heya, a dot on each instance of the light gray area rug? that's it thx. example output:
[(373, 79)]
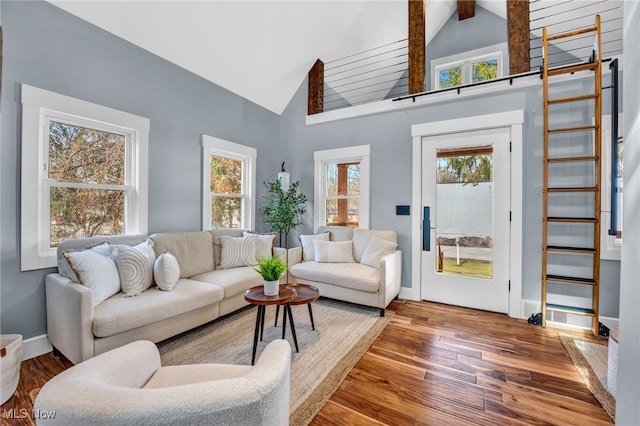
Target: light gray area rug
[(343, 334)]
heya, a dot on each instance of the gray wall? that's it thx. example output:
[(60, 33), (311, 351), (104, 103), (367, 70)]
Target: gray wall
[(389, 135), (462, 36), (51, 49), (628, 393)]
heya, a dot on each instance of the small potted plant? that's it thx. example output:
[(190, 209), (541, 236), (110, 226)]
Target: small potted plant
[(271, 269)]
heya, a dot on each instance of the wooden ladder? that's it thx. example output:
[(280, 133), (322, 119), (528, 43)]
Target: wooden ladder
[(590, 157)]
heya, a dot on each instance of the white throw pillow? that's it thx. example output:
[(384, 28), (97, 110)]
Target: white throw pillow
[(166, 271), (376, 249), (95, 269), (135, 266), (307, 245), (333, 251), (264, 244), (237, 252)]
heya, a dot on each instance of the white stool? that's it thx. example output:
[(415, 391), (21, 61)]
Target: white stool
[(612, 362)]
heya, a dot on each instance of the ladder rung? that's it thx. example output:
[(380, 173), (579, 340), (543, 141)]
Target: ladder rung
[(573, 129), (570, 309), (570, 280), (572, 189), (572, 33), (572, 98), (570, 159), (572, 219), (577, 250), (571, 69)]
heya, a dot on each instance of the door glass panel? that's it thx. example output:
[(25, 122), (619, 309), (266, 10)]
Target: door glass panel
[(464, 221)]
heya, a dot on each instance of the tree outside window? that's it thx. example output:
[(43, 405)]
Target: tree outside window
[(226, 192)]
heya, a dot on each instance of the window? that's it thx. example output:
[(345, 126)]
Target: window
[(229, 175), (84, 173), (469, 67), (342, 187)]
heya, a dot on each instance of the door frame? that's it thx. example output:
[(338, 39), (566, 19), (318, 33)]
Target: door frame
[(511, 119)]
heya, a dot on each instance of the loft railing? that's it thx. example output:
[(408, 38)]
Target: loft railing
[(372, 75)]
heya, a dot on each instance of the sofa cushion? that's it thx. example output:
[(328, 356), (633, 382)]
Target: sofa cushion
[(361, 238), (237, 251), (95, 268), (194, 250), (233, 281), (135, 266), (120, 313), (217, 248), (333, 251), (348, 275), (180, 375), (307, 245), (376, 250), (337, 233), (166, 271)]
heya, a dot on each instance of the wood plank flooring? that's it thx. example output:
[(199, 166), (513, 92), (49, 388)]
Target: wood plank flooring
[(432, 365)]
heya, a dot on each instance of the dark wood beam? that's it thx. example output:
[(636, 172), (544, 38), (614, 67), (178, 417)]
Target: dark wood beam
[(316, 88), (518, 34), (417, 40), (467, 9)]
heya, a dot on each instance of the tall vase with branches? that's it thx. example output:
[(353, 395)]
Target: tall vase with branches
[(283, 210)]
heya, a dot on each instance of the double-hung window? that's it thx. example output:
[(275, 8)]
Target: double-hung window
[(84, 173), (342, 187), (469, 67), (229, 175)]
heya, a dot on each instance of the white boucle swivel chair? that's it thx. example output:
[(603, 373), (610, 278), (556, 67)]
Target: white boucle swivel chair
[(127, 386)]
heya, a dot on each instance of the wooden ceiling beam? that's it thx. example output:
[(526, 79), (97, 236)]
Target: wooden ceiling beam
[(315, 96), (417, 45), (467, 9), (518, 35)]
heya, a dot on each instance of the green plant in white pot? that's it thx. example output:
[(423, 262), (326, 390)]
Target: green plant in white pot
[(271, 269)]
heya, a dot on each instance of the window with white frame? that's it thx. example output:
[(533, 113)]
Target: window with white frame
[(229, 176), (342, 187), (469, 67), (84, 173)]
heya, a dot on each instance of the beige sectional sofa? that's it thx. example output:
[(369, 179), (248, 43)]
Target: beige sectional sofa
[(80, 329), (359, 266)]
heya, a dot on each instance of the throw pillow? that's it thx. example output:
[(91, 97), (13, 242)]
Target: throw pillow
[(307, 245), (333, 251), (376, 249), (264, 244), (135, 266), (237, 251), (96, 271), (166, 271)]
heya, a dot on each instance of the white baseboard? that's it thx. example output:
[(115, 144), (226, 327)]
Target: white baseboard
[(35, 346), (407, 294)]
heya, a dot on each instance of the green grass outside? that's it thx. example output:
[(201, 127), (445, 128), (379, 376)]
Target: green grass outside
[(468, 267)]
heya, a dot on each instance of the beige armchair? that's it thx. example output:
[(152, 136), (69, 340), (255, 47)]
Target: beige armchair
[(127, 386)]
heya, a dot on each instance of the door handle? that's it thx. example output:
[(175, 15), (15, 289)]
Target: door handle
[(426, 230)]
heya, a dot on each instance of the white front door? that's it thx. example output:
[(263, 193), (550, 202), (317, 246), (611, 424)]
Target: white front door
[(466, 219)]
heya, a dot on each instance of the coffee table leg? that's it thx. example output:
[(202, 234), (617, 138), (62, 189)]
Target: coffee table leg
[(313, 327), (284, 320), (277, 313), (264, 308), (293, 327), (255, 335)]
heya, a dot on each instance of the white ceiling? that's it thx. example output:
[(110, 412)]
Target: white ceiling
[(263, 49)]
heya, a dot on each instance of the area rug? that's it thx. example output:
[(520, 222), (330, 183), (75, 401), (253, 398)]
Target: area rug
[(343, 334), (589, 355)]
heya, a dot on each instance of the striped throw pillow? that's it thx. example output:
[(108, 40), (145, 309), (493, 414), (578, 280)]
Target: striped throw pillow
[(237, 251), (135, 266)]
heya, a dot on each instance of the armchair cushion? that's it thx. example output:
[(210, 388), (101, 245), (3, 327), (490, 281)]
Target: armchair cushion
[(349, 275)]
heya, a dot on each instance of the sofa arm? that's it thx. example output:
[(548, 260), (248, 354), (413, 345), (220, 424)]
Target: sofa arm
[(295, 256), (390, 277), (69, 317)]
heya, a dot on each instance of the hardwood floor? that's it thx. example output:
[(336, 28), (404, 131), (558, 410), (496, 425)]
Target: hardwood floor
[(432, 365)]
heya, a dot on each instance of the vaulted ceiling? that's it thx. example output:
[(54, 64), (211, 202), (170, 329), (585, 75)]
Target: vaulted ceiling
[(260, 50)]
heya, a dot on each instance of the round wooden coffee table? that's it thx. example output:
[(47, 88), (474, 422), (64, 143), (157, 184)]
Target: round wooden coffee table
[(256, 296), (305, 294)]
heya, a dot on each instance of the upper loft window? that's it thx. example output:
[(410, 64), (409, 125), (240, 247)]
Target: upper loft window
[(469, 67), (229, 184), (84, 173)]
